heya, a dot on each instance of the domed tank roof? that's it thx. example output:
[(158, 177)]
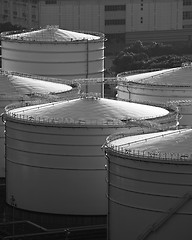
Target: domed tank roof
[(180, 76), (92, 110), (170, 145), (51, 34), (23, 85)]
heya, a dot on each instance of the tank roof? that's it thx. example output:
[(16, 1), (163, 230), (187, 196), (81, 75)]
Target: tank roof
[(23, 85), (51, 34), (169, 145), (180, 76), (92, 110)]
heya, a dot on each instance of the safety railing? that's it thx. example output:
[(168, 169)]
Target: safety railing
[(74, 81), (57, 121), (132, 72), (154, 122), (162, 124), (71, 94), (181, 102), (124, 149), (32, 119)]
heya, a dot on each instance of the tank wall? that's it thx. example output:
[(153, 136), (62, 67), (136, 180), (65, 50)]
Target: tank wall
[(51, 47), (63, 60), (65, 55), (75, 69), (138, 221), (4, 101), (66, 163), (140, 193), (2, 151), (153, 94), (67, 59), (57, 191)]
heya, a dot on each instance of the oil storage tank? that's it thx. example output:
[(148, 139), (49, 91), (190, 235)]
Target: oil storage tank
[(54, 151), (149, 185), (157, 87), (15, 88), (54, 52)]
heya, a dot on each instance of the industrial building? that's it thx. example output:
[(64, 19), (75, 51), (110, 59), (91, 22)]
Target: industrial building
[(149, 186), (168, 86), (123, 20)]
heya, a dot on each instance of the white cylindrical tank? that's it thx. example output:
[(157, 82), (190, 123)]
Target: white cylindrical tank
[(55, 52), (157, 87), (149, 186), (15, 88), (53, 151)]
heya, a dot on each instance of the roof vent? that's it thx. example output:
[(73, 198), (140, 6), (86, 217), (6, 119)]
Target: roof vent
[(90, 95), (52, 27)]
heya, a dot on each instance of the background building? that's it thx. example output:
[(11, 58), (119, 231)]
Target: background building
[(161, 20)]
